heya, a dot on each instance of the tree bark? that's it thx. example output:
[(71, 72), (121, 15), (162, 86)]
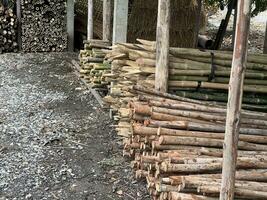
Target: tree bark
[(235, 101)]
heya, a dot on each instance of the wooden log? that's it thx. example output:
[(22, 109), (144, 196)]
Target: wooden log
[(219, 153), (18, 12), (258, 175), (208, 85), (107, 20), (239, 193), (235, 101), (265, 41), (166, 103), (207, 166), (163, 34), (120, 21), (70, 24), (194, 126), (90, 20), (207, 142), (184, 196), (165, 95), (195, 181)]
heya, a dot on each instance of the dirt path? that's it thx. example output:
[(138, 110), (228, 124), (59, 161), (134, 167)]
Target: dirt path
[(55, 141)]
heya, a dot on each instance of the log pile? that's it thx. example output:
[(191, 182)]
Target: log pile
[(92, 64), (176, 145), (175, 140), (8, 30), (44, 25)]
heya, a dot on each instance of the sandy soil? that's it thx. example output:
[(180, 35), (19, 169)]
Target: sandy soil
[(55, 141)]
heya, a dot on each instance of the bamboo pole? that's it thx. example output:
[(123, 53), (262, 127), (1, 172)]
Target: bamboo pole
[(265, 41), (120, 21), (235, 101), (90, 22), (163, 39), (107, 20), (70, 24), (18, 11), (234, 23)]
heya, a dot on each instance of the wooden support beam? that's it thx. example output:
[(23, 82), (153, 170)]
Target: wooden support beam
[(120, 21), (234, 24), (70, 24), (163, 44), (235, 100), (90, 20), (265, 41), (107, 20), (18, 13)]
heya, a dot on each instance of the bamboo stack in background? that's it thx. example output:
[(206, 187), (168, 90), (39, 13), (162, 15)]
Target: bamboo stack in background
[(44, 26), (8, 30), (92, 64), (175, 140), (191, 74)]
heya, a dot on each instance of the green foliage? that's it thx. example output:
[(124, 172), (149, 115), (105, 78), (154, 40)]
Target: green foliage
[(258, 5)]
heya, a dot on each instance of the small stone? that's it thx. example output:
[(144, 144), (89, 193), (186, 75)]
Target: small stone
[(28, 196), (119, 192), (78, 89), (73, 187)]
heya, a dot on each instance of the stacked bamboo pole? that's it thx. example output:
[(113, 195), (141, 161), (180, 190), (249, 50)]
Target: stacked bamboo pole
[(176, 142), (8, 33), (92, 64), (190, 73)]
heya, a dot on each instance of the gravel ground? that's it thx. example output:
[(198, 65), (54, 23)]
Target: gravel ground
[(55, 141)]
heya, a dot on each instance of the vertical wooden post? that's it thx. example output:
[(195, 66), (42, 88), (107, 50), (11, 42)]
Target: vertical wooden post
[(90, 20), (163, 44), (235, 100), (18, 13), (120, 23), (70, 24), (265, 41), (107, 20), (234, 24)]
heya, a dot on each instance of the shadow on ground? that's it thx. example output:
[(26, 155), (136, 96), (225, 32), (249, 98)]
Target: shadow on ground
[(55, 141)]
